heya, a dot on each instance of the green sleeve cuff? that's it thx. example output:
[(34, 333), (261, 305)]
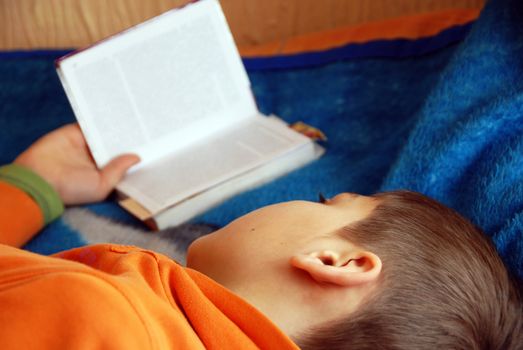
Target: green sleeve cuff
[(40, 190)]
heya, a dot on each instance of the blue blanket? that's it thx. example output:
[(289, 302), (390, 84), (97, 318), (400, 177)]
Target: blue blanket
[(466, 149), (443, 120)]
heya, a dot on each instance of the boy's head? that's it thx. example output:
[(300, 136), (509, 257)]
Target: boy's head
[(395, 270)]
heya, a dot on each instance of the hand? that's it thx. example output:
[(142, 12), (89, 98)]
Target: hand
[(63, 160)]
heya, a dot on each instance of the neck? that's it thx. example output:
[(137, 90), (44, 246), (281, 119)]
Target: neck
[(290, 318), (298, 307)]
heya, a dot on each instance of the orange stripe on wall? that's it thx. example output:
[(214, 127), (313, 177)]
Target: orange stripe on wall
[(408, 27)]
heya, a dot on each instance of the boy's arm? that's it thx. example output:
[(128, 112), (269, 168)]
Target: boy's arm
[(56, 169), (27, 203)]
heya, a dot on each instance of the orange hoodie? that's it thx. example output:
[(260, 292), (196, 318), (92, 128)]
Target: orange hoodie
[(112, 296)]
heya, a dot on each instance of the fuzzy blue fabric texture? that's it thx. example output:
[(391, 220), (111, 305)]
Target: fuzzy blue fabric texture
[(466, 149)]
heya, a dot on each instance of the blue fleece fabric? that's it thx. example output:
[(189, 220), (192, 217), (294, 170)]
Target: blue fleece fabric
[(466, 149)]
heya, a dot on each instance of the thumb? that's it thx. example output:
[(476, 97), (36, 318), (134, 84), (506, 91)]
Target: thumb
[(115, 170)]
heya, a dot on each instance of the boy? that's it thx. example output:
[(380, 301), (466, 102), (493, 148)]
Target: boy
[(393, 271)]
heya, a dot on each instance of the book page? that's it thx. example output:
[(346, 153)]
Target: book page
[(192, 170), (158, 87)]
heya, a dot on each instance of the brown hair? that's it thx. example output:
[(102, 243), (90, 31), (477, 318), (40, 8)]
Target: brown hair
[(443, 285)]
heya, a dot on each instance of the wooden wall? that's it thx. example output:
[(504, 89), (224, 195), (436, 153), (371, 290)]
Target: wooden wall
[(76, 23)]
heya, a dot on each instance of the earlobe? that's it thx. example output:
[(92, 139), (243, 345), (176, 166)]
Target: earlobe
[(350, 269)]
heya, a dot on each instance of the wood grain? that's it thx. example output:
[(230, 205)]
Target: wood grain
[(33, 24)]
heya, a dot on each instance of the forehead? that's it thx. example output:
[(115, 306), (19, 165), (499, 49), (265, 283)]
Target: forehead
[(333, 215)]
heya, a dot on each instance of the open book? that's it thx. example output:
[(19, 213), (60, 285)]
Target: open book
[(174, 91)]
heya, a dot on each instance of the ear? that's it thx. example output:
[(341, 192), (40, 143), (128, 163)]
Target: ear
[(350, 269)]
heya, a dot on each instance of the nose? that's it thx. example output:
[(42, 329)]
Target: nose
[(343, 197)]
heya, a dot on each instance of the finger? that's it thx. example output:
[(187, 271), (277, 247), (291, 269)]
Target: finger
[(75, 135), (115, 170)]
